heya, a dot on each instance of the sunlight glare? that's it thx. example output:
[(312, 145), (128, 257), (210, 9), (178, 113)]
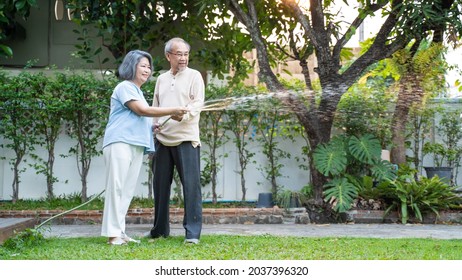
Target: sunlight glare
[(304, 4)]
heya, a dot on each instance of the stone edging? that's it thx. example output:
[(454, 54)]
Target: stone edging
[(376, 216), (273, 215)]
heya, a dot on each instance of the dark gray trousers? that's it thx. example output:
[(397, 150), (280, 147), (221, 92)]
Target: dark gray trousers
[(186, 159)]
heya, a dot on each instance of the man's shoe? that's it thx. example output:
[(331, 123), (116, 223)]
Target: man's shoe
[(148, 234), (191, 241)]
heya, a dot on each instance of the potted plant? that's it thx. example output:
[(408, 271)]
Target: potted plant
[(291, 199), (446, 152), (440, 154)]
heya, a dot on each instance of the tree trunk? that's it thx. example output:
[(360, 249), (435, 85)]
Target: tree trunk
[(410, 93), (85, 169), (243, 164), (214, 166), (16, 181), (49, 173), (318, 180), (306, 74)]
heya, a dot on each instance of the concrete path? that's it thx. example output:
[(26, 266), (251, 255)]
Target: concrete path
[(310, 230), (9, 227)]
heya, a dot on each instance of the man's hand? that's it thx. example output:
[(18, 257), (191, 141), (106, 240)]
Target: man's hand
[(177, 118), (156, 128)]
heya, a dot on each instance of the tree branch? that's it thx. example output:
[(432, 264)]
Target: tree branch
[(354, 26)]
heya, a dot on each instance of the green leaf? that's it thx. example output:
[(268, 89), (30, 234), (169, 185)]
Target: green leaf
[(19, 4), (6, 51), (330, 159), (383, 170), (404, 213), (341, 193), (366, 148)]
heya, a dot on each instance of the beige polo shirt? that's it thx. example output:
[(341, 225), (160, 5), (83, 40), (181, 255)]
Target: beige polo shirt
[(186, 88)]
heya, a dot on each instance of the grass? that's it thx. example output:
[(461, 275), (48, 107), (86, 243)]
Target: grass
[(32, 246), (226, 247)]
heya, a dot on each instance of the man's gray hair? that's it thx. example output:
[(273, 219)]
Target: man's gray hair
[(127, 70), (169, 44)]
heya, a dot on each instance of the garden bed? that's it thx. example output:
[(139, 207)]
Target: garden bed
[(273, 215)]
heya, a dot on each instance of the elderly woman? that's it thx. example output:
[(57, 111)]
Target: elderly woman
[(127, 138)]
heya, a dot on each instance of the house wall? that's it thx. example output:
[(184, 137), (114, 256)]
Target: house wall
[(48, 40), (36, 34)]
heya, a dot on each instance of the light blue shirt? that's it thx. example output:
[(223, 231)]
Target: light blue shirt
[(124, 125)]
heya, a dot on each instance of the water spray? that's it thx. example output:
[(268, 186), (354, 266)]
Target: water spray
[(245, 103)]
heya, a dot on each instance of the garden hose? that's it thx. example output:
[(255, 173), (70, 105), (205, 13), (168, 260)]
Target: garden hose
[(65, 212)]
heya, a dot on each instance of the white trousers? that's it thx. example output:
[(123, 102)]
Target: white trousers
[(123, 164)]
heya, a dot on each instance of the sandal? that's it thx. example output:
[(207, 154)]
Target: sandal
[(117, 241), (129, 239)]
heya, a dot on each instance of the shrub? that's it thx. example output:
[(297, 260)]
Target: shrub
[(410, 196)]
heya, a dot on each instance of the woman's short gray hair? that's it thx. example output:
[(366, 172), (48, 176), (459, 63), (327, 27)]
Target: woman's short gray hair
[(169, 44), (127, 70)]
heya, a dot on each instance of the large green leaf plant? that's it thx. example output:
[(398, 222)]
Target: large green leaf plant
[(346, 159)]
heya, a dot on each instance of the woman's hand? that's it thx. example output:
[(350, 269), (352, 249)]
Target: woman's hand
[(178, 116), (181, 111)]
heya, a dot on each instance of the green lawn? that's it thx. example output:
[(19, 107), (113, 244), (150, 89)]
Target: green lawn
[(225, 247), (32, 246)]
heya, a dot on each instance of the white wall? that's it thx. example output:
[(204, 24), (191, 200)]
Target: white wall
[(33, 185), (228, 180)]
